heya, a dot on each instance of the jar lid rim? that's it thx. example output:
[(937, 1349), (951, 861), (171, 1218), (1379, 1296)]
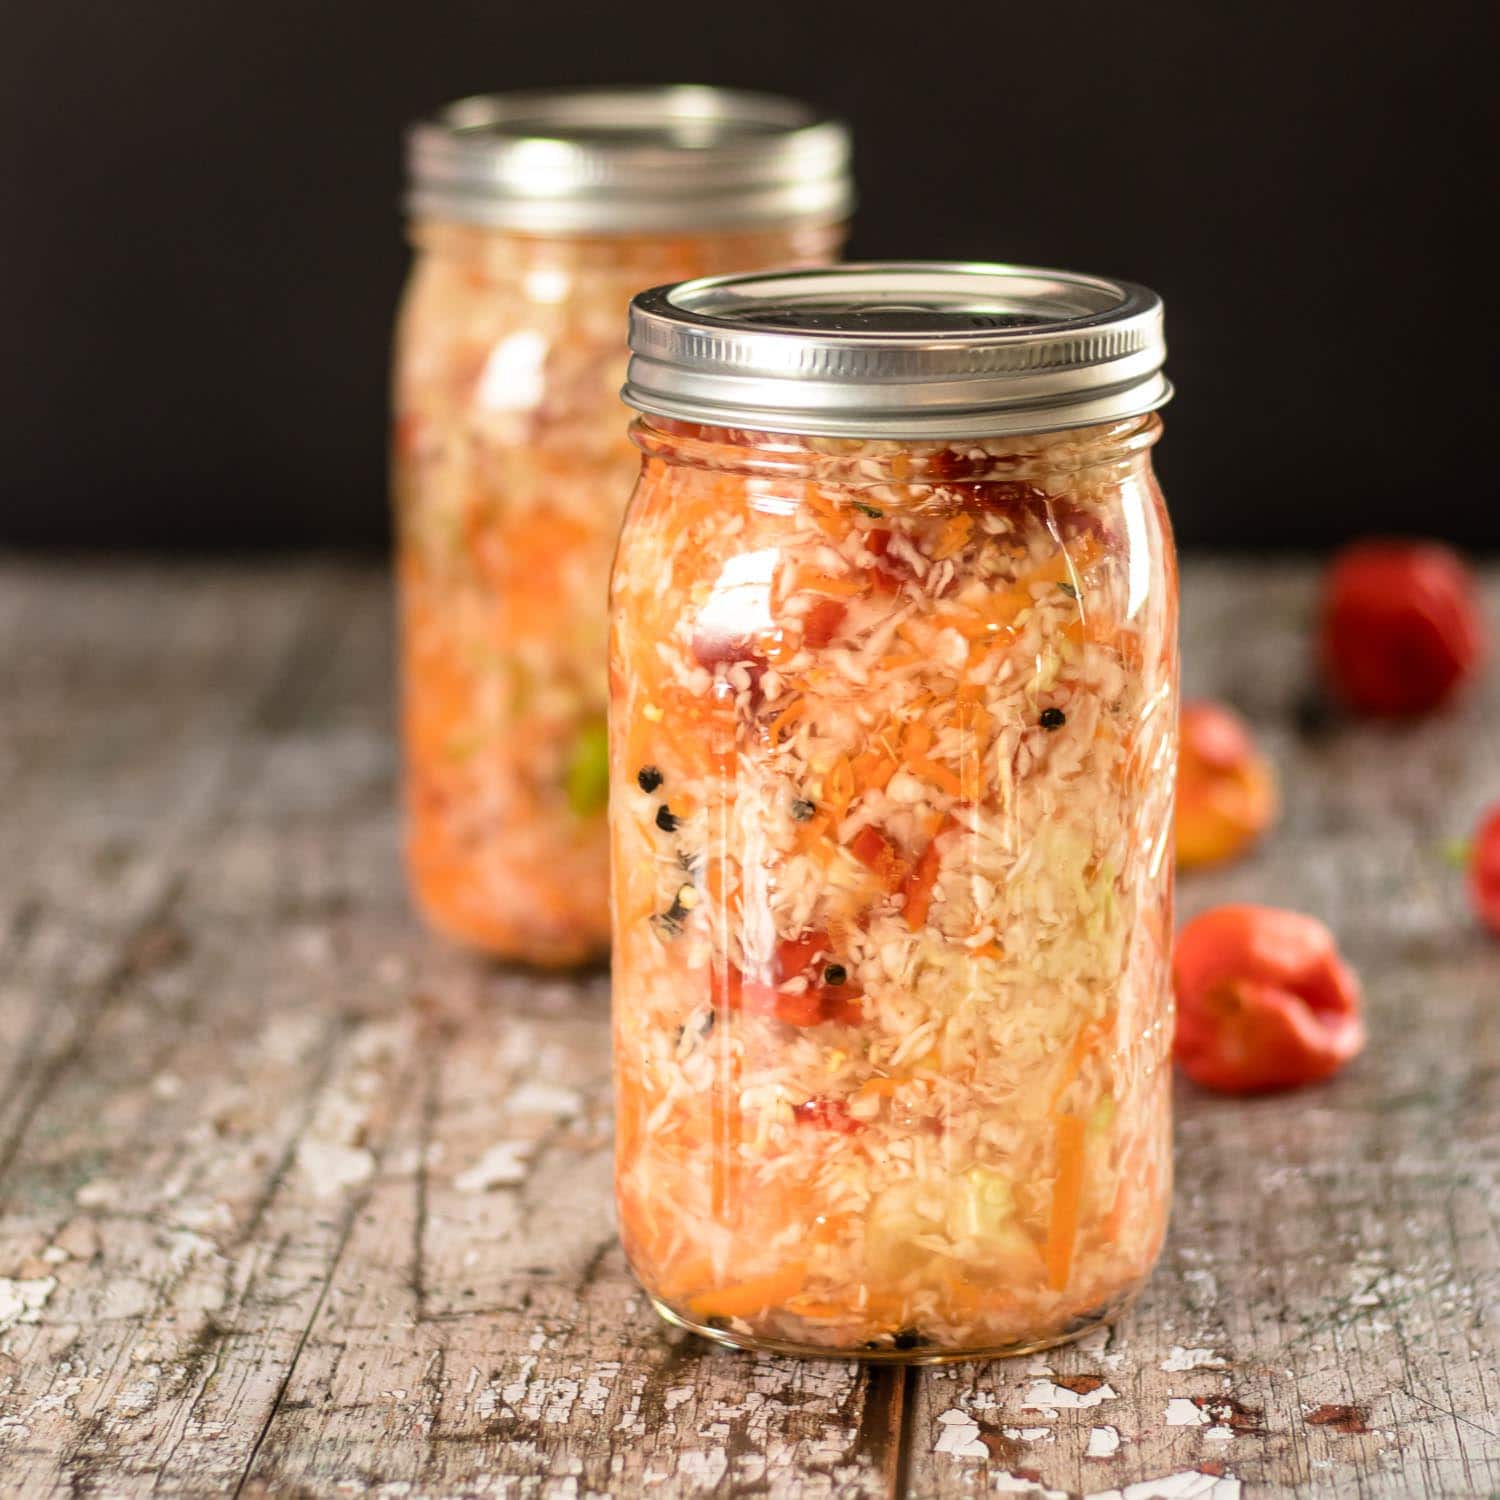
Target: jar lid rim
[(628, 160), (922, 348)]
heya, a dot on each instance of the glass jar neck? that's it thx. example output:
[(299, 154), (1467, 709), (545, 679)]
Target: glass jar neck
[(920, 463)]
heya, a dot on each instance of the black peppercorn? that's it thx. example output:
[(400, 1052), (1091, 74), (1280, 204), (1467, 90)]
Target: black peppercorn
[(648, 778), (666, 819), (908, 1338), (835, 974), (802, 810), (1053, 718)]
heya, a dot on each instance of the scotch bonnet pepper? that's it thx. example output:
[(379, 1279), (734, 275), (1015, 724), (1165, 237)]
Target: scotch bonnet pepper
[(1264, 1001), (1401, 628)]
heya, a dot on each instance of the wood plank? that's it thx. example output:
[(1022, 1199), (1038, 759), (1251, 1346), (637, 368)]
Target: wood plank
[(172, 1098)]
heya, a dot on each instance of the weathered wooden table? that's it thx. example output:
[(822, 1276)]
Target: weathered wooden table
[(295, 1201)]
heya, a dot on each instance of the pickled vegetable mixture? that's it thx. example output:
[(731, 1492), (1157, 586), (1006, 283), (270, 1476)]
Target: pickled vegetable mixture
[(892, 745), (511, 472)]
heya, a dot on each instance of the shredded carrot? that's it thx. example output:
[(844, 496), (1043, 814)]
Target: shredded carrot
[(880, 1088), (872, 770), (919, 884), (988, 950), (1062, 1226), (747, 1298), (838, 787), (807, 1309), (787, 717), (953, 536), (918, 742), (824, 583), (810, 832), (830, 518), (939, 774), (1084, 1042)]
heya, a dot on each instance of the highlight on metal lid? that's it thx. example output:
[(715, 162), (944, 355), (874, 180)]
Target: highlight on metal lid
[(628, 160), (920, 349)]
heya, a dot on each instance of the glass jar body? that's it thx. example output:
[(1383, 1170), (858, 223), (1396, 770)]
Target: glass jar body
[(511, 468), (893, 736)]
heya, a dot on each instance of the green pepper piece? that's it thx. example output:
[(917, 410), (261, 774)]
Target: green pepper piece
[(587, 777)]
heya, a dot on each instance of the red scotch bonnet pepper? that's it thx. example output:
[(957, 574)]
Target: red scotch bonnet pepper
[(1484, 870), (1264, 1002), (1226, 794), (1401, 628)]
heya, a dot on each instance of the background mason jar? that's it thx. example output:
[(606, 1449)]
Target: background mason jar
[(535, 219)]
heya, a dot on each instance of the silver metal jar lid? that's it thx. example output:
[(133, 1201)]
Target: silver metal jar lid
[(926, 349), (629, 160)]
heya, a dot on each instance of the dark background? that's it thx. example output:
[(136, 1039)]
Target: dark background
[(201, 249)]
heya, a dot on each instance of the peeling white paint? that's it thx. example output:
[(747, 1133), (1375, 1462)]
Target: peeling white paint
[(22, 1301), (1104, 1442), (708, 1468), (1184, 1413), (1188, 1484), (959, 1435), (1006, 1483), (503, 1165), (101, 1193), (1179, 1359), (166, 1086), (1049, 1398), (533, 1098), (329, 1168), (595, 1393)]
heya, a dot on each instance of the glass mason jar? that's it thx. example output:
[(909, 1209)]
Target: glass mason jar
[(535, 218), (893, 740)]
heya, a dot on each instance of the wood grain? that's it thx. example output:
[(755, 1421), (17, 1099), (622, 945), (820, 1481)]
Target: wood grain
[(294, 1201)]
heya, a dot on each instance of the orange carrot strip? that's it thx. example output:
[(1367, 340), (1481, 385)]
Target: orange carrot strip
[(1084, 1042), (872, 769), (789, 715), (955, 532), (746, 1298), (931, 770), (824, 583), (918, 885), (1062, 1226), (838, 787), (829, 518)]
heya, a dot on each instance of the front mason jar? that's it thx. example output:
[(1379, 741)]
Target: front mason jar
[(535, 218), (893, 717)]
